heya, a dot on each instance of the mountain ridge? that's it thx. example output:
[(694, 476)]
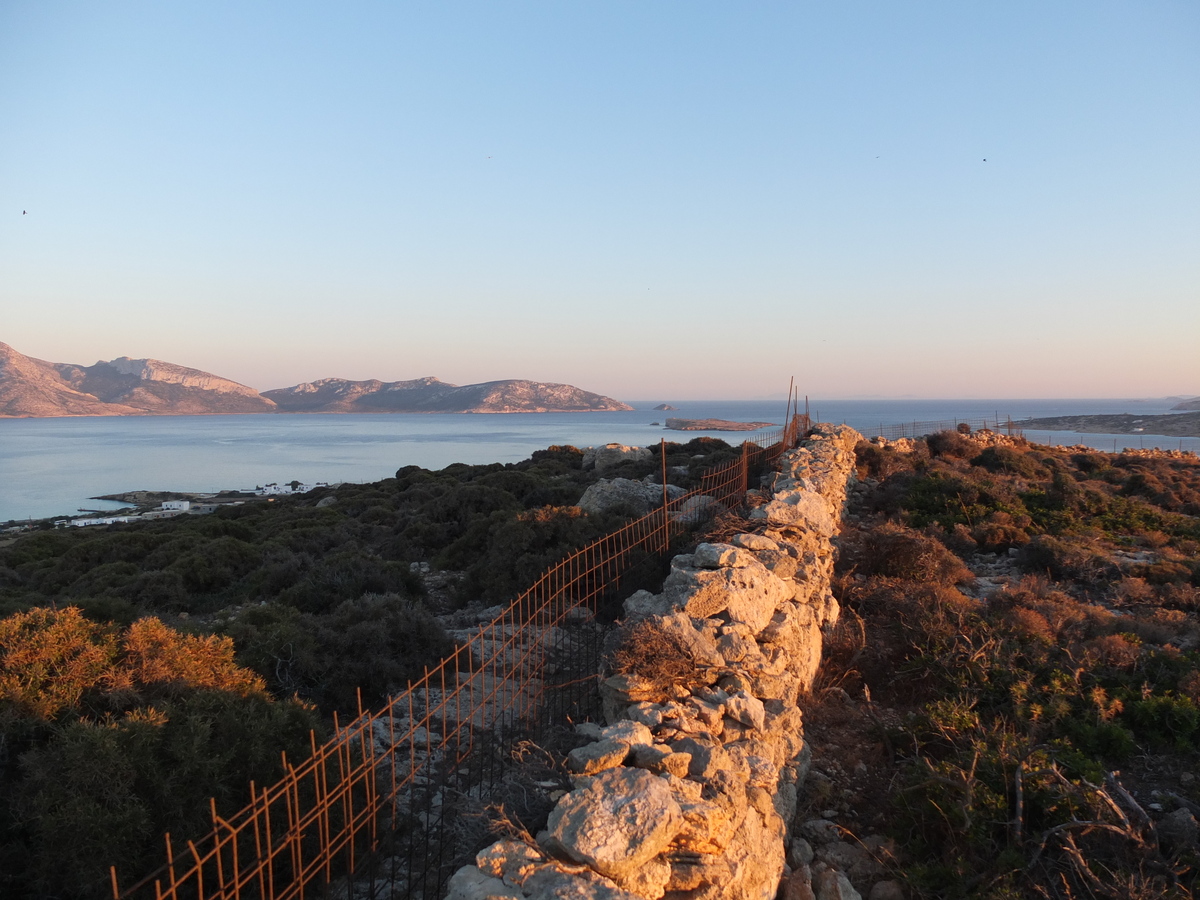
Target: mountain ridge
[(36, 388)]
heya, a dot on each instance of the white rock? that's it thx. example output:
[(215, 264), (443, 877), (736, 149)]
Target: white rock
[(601, 458), (831, 884), (631, 733), (468, 883), (746, 709), (619, 821), (718, 556), (643, 605), (754, 542)]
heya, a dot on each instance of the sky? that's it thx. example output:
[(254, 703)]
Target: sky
[(684, 199)]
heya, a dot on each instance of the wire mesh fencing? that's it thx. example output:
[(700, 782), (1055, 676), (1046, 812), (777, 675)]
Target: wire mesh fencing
[(387, 806)]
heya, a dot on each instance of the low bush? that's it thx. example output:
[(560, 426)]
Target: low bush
[(113, 736), (952, 445), (896, 551)]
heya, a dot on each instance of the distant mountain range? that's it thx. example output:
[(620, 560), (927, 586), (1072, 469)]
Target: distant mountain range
[(149, 387)]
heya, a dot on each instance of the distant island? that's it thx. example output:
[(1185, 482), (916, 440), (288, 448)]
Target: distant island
[(1193, 403), (1172, 424), (714, 425), (150, 387), (666, 406)]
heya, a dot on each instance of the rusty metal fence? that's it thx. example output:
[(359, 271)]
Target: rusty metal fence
[(383, 808), (920, 429)]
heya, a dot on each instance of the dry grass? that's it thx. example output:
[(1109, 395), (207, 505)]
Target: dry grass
[(659, 659)]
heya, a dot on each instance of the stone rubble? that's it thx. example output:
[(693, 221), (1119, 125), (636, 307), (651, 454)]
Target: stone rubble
[(692, 795)]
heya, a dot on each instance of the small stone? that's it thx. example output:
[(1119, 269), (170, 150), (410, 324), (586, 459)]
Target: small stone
[(797, 886), (468, 883), (593, 758), (830, 884), (632, 733), (1179, 830), (760, 799), (749, 541), (886, 890), (648, 714), (800, 853), (589, 730), (820, 831), (747, 709), (643, 605)]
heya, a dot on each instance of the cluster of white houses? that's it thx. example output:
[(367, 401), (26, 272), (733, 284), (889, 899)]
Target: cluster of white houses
[(170, 508)]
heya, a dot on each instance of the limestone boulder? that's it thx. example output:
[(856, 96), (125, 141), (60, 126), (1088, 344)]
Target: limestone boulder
[(749, 594), (747, 709), (601, 458), (617, 822), (697, 509), (751, 541), (756, 858), (635, 496), (597, 757), (699, 643), (718, 556), (643, 605), (799, 508)]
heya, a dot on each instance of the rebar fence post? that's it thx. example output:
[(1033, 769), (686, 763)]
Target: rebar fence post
[(666, 541)]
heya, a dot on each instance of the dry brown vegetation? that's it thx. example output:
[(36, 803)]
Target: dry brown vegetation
[(1033, 734)]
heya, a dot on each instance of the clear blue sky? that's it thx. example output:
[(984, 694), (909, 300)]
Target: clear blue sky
[(667, 198)]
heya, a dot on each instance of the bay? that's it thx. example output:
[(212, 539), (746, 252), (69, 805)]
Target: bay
[(50, 467)]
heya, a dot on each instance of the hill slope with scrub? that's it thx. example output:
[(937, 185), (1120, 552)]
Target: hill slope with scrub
[(1013, 693), (146, 667)]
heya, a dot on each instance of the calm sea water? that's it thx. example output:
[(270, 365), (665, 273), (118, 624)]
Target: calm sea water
[(50, 467)]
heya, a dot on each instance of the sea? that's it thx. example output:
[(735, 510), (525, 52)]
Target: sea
[(55, 467)]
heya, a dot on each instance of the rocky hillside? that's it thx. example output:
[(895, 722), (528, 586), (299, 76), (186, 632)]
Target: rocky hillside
[(122, 387), (141, 387), (335, 395)]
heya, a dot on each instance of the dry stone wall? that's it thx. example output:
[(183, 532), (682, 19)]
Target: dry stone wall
[(693, 796)]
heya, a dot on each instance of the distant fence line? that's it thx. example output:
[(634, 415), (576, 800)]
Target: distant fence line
[(374, 811), (920, 429)]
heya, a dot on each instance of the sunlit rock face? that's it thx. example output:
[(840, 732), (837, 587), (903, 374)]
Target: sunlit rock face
[(122, 387), (431, 396)]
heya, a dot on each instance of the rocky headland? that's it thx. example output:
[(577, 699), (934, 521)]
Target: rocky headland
[(334, 395), (1173, 424), (36, 388)]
